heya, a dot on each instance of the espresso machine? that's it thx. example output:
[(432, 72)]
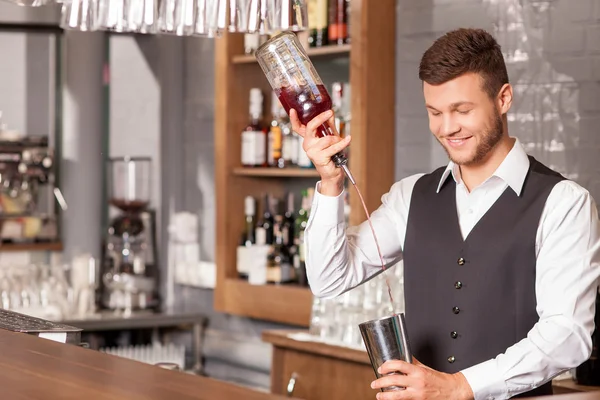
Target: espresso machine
[(27, 189), (129, 260)]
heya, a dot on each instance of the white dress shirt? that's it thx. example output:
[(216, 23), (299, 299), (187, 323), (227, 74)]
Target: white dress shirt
[(567, 268)]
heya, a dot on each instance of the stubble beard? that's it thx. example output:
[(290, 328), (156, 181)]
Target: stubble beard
[(490, 139)]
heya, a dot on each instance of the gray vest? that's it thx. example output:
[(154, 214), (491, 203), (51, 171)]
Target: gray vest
[(469, 300)]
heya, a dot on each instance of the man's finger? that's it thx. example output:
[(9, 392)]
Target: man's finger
[(321, 143), (337, 147), (391, 380), (396, 366), (296, 125), (400, 394), (319, 120)]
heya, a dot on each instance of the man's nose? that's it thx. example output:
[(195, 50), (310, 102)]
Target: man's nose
[(449, 126)]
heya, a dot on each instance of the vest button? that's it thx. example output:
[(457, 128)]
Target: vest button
[(453, 334), (458, 284), (451, 359), (455, 310), (461, 261)]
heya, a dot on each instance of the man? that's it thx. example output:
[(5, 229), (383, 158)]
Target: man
[(500, 253)]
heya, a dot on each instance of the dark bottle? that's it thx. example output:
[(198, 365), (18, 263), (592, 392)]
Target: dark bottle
[(279, 264), (588, 373), (338, 22), (289, 221), (267, 219), (319, 33), (250, 223), (348, 41)]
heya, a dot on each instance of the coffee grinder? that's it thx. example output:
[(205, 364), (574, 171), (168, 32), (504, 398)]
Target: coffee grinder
[(130, 270)]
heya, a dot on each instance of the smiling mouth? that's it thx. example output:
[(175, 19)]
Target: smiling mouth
[(454, 141)]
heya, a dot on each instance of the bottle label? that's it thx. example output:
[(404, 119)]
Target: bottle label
[(248, 147), (322, 14), (260, 148), (287, 148), (313, 13), (338, 31), (303, 160), (295, 143)]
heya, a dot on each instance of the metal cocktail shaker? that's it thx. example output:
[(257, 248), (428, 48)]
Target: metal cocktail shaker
[(386, 339)]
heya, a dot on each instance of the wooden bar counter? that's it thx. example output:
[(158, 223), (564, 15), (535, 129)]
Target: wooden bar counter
[(33, 368), (327, 372)]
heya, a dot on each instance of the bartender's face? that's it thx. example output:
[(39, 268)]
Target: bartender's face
[(463, 118)]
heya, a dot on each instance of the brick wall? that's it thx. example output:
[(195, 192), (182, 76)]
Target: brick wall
[(552, 49)]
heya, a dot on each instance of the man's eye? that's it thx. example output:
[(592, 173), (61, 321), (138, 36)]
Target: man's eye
[(464, 112), (435, 113)]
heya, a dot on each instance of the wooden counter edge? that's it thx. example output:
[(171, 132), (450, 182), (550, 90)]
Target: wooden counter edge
[(49, 366), (280, 338)]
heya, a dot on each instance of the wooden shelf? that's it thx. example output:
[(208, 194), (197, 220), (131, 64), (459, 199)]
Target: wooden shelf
[(277, 172), (312, 52), (371, 74), (286, 304), (50, 246)]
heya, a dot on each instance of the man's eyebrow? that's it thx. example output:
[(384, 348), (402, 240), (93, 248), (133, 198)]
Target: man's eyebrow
[(461, 103)]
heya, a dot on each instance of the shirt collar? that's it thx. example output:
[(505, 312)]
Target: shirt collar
[(512, 170)]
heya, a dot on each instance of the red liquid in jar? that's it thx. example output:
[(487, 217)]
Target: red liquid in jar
[(308, 101)]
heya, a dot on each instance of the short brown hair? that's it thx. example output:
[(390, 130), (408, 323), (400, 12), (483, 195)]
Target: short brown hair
[(462, 51)]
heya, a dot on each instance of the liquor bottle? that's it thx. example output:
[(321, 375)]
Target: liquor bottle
[(251, 42), (300, 223), (267, 220), (338, 22), (250, 223), (289, 147), (348, 19), (274, 147), (311, 8), (289, 221), (321, 29), (302, 217), (279, 266), (303, 160), (300, 261), (347, 108), (254, 135), (338, 107), (588, 373)]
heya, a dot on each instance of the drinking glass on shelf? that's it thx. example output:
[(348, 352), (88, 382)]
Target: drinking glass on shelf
[(142, 16), (112, 15), (286, 15), (210, 18), (81, 15), (177, 17), (244, 15)]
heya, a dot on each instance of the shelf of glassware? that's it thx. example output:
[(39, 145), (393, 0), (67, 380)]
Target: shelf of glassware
[(286, 304), (325, 51), (40, 246)]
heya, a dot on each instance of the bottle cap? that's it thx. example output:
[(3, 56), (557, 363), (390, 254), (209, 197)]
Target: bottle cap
[(249, 205)]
